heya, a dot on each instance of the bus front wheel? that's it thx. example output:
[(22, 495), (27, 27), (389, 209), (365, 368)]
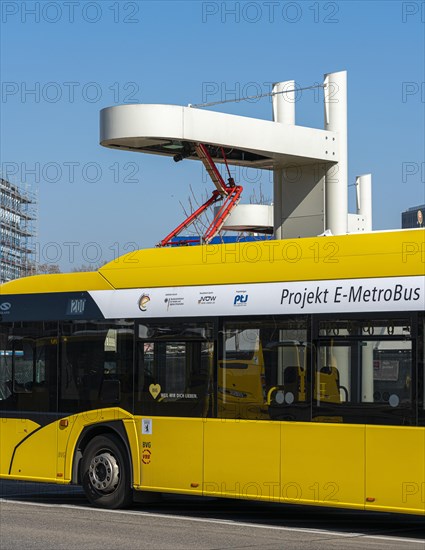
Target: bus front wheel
[(105, 473)]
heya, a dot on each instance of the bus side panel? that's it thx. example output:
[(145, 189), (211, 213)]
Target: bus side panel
[(242, 459), (36, 457), (12, 432), (395, 475), (171, 454), (323, 464)]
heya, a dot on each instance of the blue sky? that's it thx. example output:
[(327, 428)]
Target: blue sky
[(61, 62)]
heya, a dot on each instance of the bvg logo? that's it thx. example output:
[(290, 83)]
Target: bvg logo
[(240, 300), (5, 306)]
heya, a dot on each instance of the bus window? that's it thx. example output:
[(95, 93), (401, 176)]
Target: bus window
[(96, 369), (23, 365), (364, 372), (6, 352), (241, 376), (174, 373), (28, 367), (263, 371)]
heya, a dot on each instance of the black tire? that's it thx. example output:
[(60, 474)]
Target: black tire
[(105, 473)]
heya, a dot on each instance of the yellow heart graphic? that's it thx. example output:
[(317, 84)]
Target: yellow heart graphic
[(154, 390)]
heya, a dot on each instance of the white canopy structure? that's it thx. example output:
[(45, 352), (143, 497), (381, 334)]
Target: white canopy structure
[(309, 164)]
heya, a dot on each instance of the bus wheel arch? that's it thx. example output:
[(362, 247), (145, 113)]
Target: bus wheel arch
[(102, 465)]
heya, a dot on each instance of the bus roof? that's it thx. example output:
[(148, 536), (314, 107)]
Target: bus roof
[(380, 254), (58, 282)]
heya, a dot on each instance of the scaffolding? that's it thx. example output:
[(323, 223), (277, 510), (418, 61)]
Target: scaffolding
[(18, 214)]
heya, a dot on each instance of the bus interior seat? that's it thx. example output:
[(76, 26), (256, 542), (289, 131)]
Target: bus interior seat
[(328, 386)]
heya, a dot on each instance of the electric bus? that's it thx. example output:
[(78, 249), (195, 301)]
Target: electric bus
[(283, 371)]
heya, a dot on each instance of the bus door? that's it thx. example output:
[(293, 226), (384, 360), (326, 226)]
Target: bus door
[(173, 394), (261, 379), (365, 381)]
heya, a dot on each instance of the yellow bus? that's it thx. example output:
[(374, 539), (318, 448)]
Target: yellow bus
[(286, 371)]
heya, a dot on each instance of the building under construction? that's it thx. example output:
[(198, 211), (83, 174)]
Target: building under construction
[(17, 231)]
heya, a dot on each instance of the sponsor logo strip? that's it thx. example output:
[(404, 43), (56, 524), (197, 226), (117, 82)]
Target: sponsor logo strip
[(360, 295)]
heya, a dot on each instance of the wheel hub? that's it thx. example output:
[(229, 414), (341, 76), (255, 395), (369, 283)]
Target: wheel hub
[(104, 472)]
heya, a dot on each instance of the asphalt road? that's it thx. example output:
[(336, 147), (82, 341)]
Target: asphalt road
[(37, 516)]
